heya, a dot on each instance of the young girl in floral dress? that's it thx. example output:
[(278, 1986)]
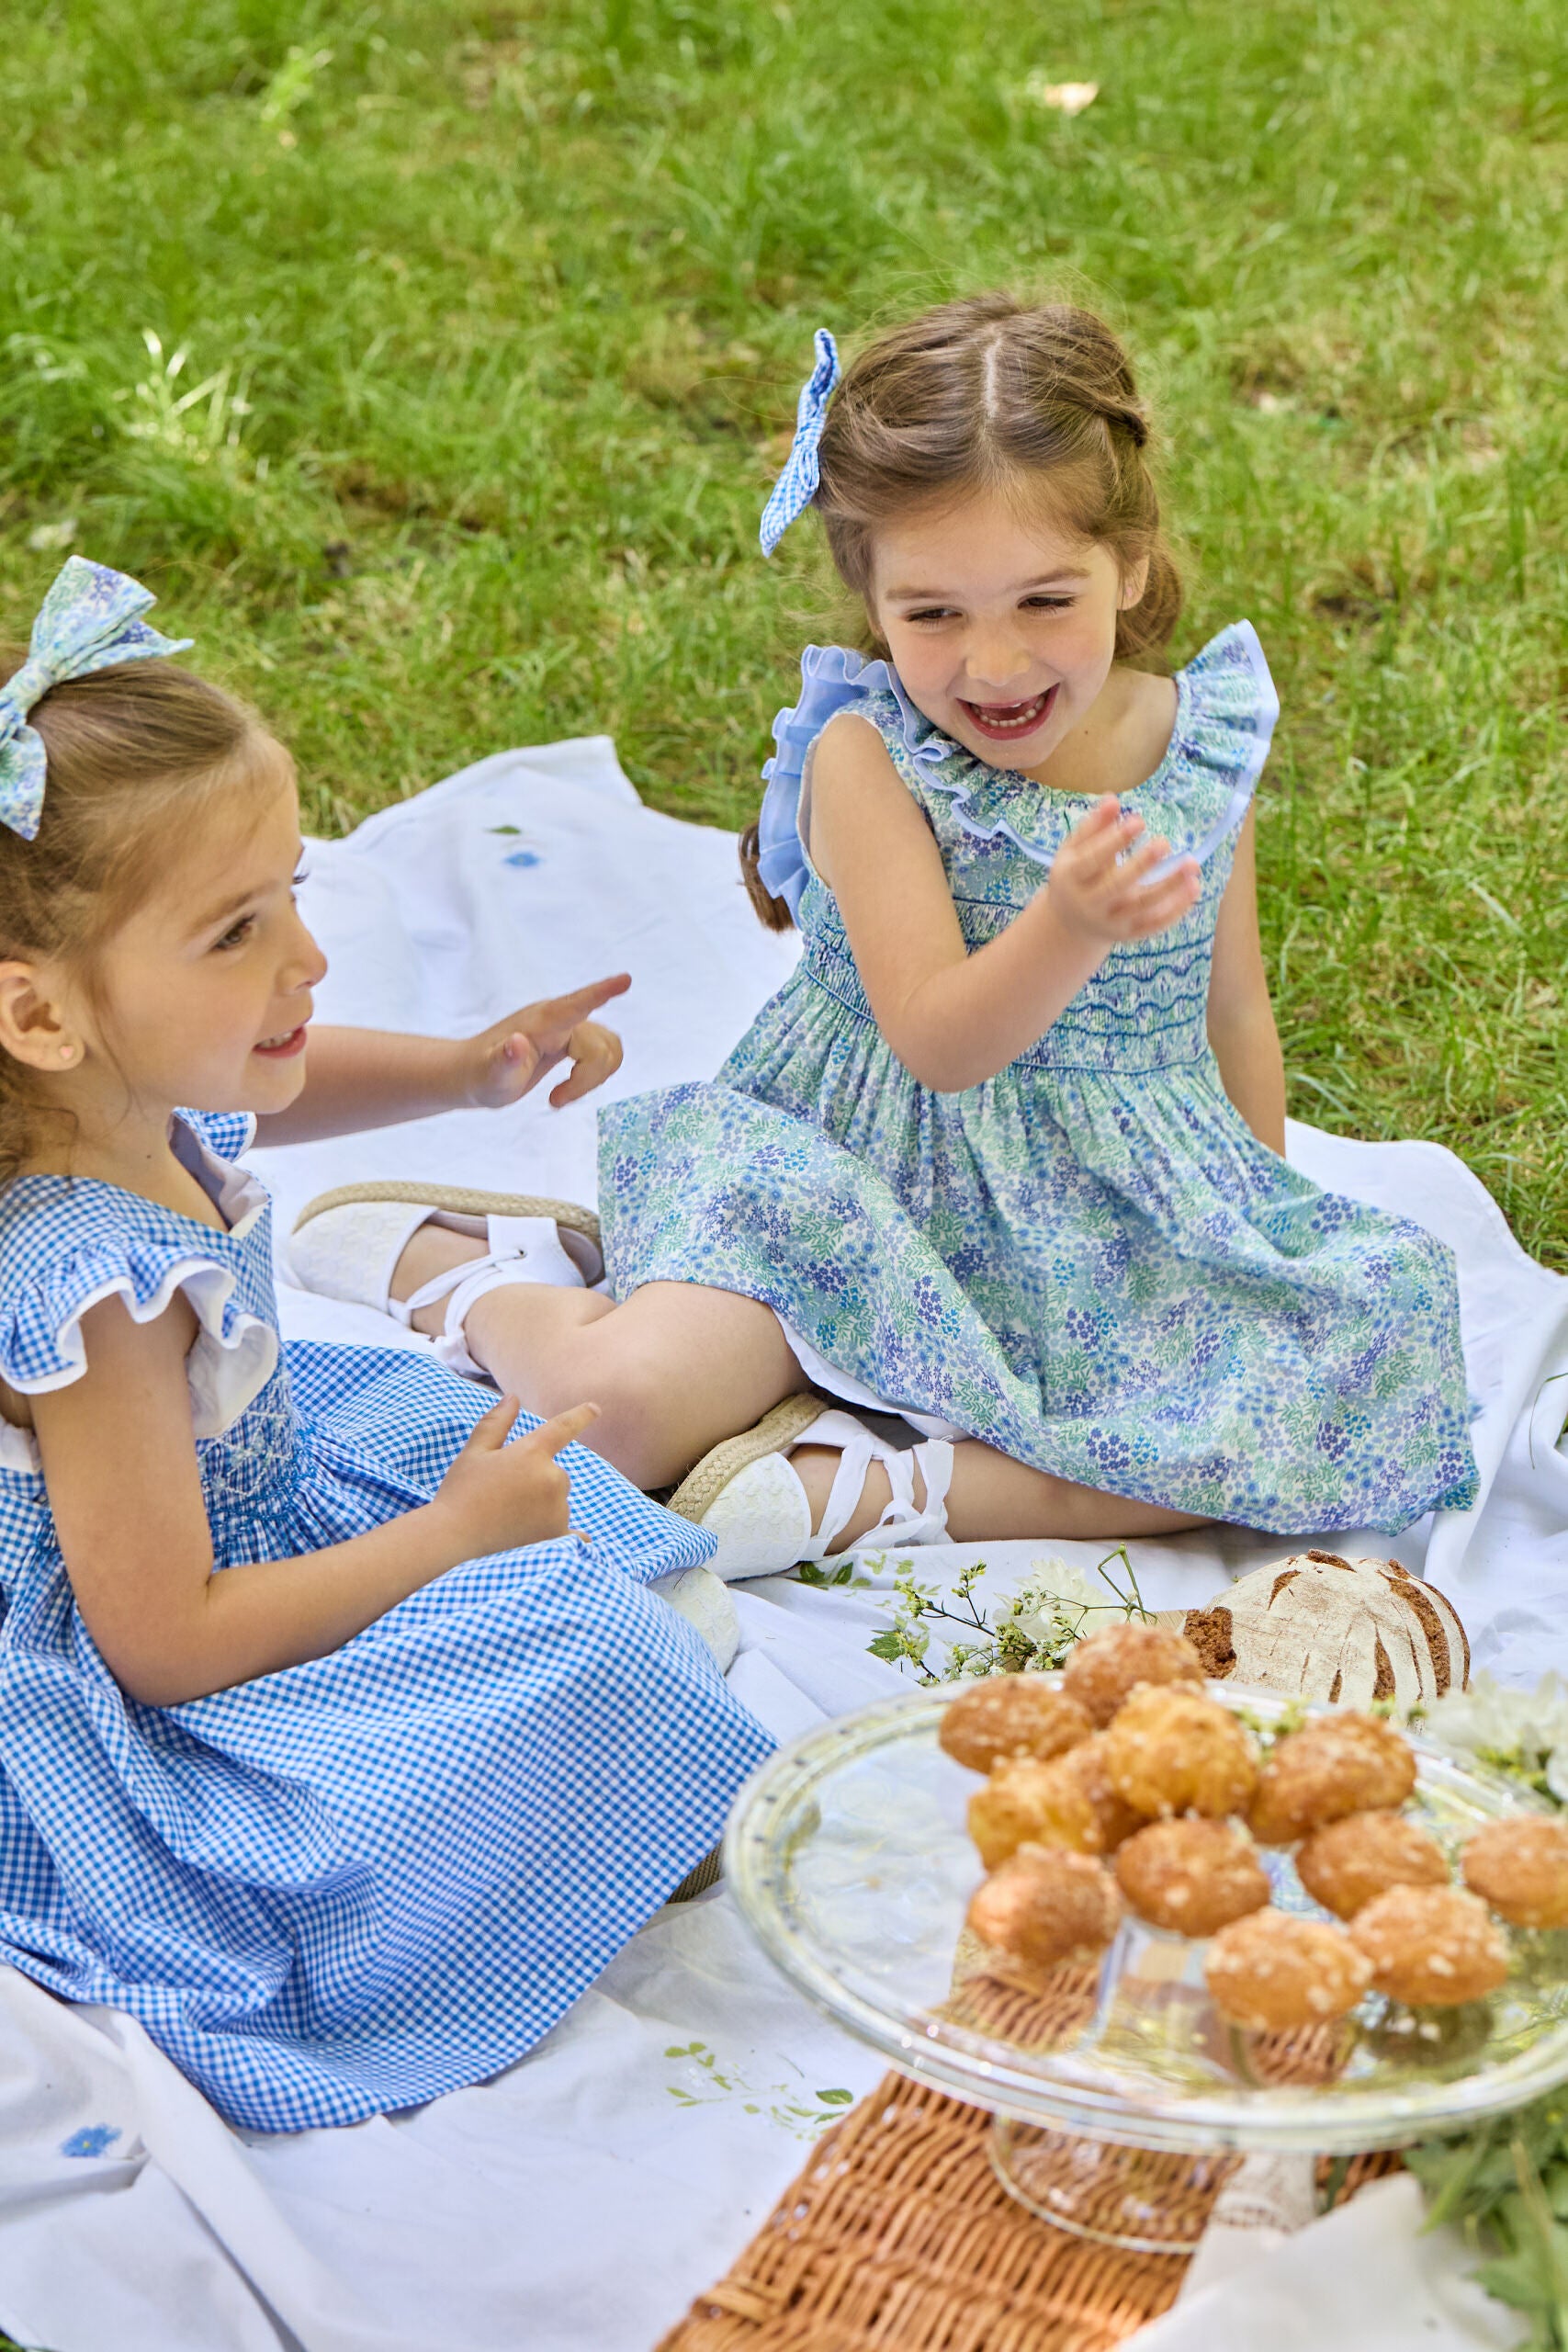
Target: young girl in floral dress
[(341, 1740), (1005, 1153)]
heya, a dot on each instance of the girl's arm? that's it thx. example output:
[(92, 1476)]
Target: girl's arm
[(1241, 1019), (953, 1018), (120, 1468), (374, 1077)]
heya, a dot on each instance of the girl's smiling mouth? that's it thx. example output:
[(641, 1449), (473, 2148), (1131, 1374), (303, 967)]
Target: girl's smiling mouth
[(1004, 722), (278, 1049)]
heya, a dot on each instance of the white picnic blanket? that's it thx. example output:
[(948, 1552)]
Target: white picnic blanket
[(580, 2202)]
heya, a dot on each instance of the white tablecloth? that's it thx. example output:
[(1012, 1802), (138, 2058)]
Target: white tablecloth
[(577, 2203)]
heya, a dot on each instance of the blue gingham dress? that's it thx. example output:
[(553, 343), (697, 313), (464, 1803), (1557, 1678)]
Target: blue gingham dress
[(363, 1880), (1089, 1259)]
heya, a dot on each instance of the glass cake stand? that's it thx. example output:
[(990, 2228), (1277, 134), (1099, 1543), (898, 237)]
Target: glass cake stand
[(1123, 2100)]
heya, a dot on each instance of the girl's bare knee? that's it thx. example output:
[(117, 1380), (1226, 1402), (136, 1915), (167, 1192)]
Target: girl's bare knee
[(635, 1429)]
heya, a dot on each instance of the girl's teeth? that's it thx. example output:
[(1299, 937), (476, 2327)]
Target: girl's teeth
[(1019, 714)]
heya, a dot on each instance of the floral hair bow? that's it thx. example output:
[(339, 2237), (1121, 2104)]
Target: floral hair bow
[(797, 486), (88, 621)]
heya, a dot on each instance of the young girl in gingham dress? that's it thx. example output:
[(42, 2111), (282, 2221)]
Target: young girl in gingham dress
[(331, 1747)]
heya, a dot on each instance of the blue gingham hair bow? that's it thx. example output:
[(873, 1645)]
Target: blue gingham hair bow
[(88, 621), (797, 486)]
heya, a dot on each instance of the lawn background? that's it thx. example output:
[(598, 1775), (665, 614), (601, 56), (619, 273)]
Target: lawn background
[(431, 361)]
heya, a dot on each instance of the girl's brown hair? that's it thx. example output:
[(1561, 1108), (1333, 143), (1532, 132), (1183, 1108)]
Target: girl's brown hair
[(136, 756), (992, 392)]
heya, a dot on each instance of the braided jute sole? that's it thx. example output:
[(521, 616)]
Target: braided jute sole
[(461, 1200), (780, 1427), (706, 1873)]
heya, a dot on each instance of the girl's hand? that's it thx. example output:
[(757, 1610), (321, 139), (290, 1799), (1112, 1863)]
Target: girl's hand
[(497, 1496), (511, 1058), (1100, 890)]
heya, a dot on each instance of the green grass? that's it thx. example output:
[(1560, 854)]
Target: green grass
[(500, 313)]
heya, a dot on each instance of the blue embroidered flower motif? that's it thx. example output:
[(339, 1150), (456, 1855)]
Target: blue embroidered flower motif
[(523, 857), (91, 2141)]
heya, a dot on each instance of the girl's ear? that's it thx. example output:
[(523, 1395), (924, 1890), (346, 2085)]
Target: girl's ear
[(32, 1029), (1133, 583)]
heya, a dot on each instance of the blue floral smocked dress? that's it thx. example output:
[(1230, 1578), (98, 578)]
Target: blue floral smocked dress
[(1089, 1261), (352, 1885)]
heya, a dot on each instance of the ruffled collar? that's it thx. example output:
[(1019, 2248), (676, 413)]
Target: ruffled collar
[(1225, 712), (239, 1197)]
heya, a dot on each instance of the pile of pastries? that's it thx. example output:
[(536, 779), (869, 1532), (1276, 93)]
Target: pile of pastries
[(1128, 1788)]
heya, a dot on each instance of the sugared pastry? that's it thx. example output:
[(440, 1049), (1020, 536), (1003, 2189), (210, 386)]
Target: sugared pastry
[(1042, 1906), (1193, 1877), (1011, 1714), (1334, 1765), (1348, 1862), (1025, 1801), (1431, 1947), (1172, 1750), (1270, 1971), (1085, 1767), (1520, 1866), (1068, 1802), (1106, 1669)]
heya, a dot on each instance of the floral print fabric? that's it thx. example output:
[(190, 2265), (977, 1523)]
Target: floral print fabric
[(1088, 1260)]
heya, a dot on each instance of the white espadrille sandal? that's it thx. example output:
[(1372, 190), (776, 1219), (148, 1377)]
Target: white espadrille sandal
[(748, 1495), (345, 1244), (705, 1603)]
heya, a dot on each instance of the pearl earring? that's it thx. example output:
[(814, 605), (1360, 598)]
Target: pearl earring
[(68, 1053)]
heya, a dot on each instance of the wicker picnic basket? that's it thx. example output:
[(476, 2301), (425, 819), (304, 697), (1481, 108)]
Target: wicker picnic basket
[(898, 2236)]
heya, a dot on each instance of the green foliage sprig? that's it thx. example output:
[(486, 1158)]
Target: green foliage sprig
[(1506, 2185), (1029, 1632), (1504, 2182)]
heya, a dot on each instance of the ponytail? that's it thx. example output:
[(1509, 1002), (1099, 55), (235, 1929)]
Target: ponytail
[(774, 913)]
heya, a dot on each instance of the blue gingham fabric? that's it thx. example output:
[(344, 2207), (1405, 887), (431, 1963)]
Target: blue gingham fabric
[(354, 1884)]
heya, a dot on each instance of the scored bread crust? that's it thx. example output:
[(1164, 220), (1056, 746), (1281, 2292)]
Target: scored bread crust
[(1320, 1627)]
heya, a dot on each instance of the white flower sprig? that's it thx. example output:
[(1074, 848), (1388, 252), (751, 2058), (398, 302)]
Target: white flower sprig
[(1522, 1733), (1033, 1632)]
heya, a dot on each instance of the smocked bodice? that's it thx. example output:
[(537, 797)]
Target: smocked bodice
[(1143, 1010), (998, 831)]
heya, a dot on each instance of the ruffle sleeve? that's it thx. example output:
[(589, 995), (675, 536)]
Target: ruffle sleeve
[(832, 678), (41, 1347), (1227, 724)]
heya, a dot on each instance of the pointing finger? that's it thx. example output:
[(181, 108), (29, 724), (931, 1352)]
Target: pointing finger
[(569, 1010), (489, 1432)]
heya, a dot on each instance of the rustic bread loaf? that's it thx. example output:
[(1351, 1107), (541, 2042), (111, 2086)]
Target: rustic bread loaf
[(1316, 1626)]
